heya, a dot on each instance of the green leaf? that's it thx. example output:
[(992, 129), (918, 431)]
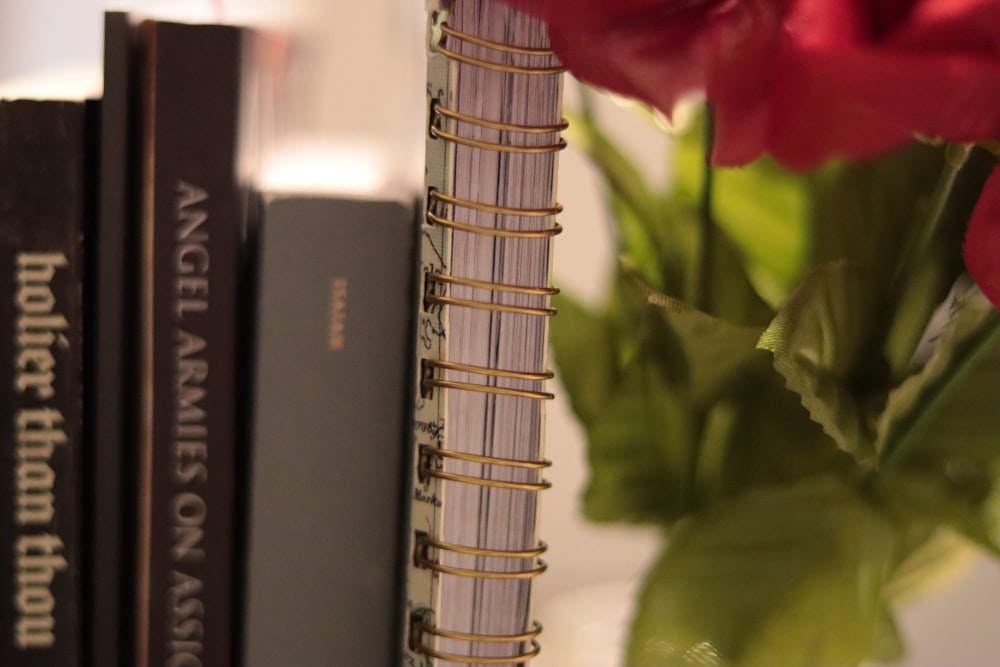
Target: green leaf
[(638, 248), (775, 441), (698, 414), (872, 214), (585, 354), (714, 352), (641, 442), (821, 346), (764, 210), (967, 501), (615, 366), (731, 296), (937, 440), (913, 310), (753, 431), (780, 577), (933, 257), (638, 452), (946, 413), (887, 647), (864, 212), (657, 233), (929, 555)]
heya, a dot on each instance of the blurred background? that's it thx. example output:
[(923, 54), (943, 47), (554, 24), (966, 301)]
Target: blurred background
[(353, 71)]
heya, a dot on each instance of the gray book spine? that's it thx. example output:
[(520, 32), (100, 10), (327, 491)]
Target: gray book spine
[(330, 433)]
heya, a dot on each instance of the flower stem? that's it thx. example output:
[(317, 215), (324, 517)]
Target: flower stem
[(706, 225), (915, 252), (910, 296)]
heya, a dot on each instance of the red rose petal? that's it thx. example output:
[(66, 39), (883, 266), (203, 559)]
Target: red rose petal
[(805, 80), (982, 240)]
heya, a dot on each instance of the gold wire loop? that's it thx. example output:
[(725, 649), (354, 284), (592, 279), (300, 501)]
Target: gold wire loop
[(489, 389), (485, 305), (423, 539), (498, 67), (435, 196), (554, 230), (431, 297), (418, 629), (426, 469), (436, 131), (427, 450), (510, 49), (536, 629), (483, 660), (422, 560), (486, 370), (495, 287), (497, 46), (429, 379), (441, 111)]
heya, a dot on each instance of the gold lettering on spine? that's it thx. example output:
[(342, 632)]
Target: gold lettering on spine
[(40, 435), (37, 323), (39, 558), (338, 314)]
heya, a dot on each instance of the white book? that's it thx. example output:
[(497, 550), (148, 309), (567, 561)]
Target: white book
[(494, 122)]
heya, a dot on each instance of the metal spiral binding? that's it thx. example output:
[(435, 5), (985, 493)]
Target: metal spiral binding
[(428, 469), (431, 380), (433, 298), (518, 223), (439, 114), (507, 49), (439, 111), (424, 545), (435, 199), (419, 629)]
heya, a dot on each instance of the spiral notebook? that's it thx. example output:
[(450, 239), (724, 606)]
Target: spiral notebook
[(494, 122)]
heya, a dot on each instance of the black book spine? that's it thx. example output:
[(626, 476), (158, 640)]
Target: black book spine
[(109, 340), (190, 252), (42, 209)]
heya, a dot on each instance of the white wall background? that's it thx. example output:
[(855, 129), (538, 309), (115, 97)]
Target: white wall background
[(369, 52)]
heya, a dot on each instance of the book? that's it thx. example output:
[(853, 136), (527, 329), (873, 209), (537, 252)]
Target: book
[(189, 348), (110, 405), (331, 419), (46, 169), (494, 123)]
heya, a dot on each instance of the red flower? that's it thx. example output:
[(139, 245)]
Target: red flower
[(854, 79), (982, 240), (658, 51), (804, 80)]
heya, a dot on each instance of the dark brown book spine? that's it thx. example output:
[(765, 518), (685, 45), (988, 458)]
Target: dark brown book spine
[(190, 251), (42, 208)]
